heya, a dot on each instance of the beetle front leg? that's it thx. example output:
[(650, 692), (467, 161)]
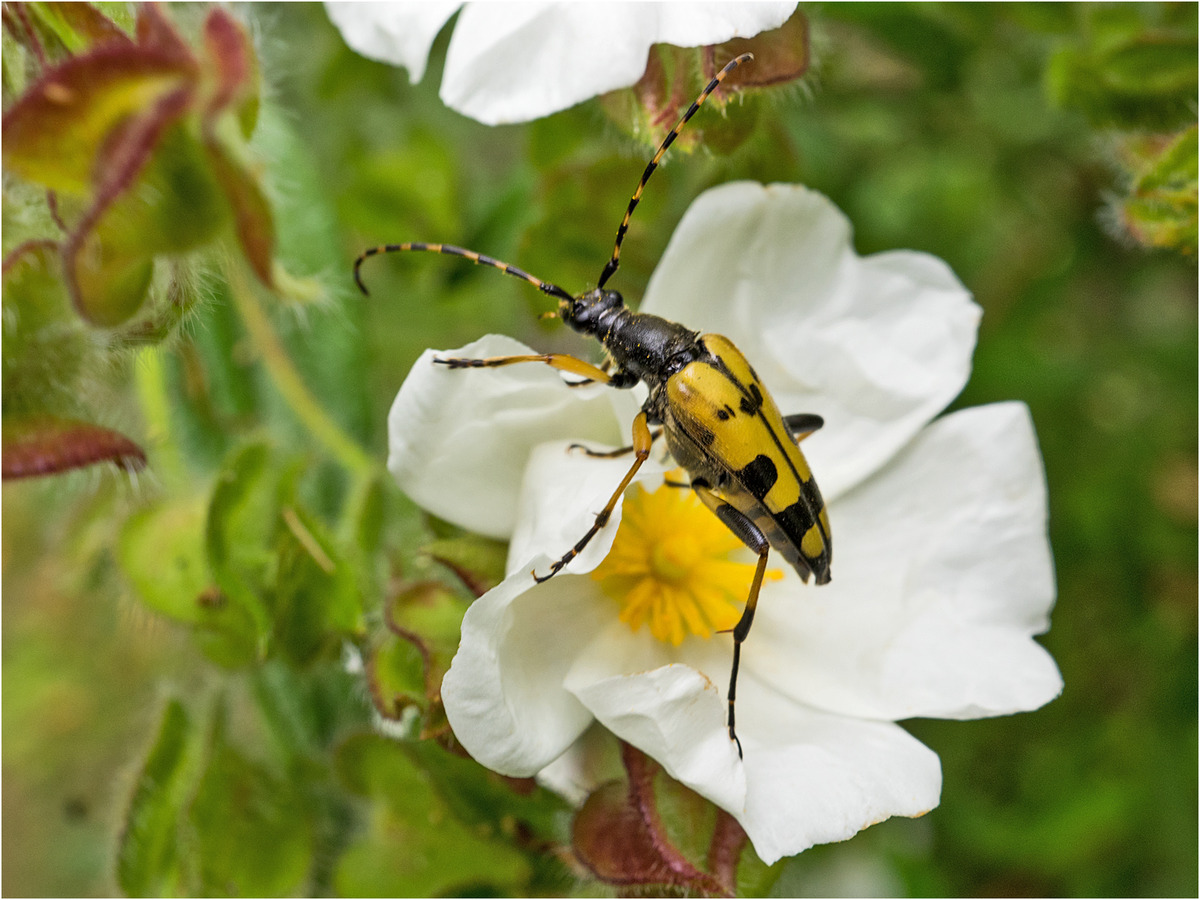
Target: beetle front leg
[(561, 361), (642, 439), (750, 535)]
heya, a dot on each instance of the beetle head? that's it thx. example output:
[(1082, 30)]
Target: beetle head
[(586, 312)]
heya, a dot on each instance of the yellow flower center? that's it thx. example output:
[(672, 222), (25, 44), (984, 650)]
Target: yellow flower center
[(672, 569)]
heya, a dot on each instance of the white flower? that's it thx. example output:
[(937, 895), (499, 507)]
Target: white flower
[(513, 62), (941, 568)]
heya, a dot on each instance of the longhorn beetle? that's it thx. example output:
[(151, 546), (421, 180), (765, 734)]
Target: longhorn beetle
[(720, 424)]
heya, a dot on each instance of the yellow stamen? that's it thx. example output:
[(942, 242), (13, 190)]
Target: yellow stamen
[(672, 567)]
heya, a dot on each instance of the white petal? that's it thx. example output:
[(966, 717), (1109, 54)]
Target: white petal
[(876, 345), (808, 777), (512, 62), (396, 33), (813, 778), (561, 494), (459, 440), (941, 576), (671, 712), (503, 693)]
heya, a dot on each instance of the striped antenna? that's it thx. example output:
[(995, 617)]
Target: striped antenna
[(479, 259), (611, 266)]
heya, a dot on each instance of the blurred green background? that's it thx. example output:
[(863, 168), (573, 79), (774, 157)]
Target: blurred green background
[(1004, 139)]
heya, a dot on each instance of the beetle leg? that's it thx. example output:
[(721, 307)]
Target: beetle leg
[(605, 366), (561, 361), (641, 447), (612, 454), (801, 425), (750, 535)]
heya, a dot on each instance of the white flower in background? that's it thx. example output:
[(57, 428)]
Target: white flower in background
[(941, 570), (513, 62)]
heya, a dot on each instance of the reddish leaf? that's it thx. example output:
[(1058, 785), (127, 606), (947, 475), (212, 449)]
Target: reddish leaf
[(46, 445), (53, 133), (780, 55), (616, 843), (253, 221), (618, 836), (108, 279), (155, 31), (728, 841), (129, 145), (231, 57)]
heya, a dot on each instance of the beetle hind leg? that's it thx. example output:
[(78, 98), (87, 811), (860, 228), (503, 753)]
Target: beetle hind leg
[(750, 535)]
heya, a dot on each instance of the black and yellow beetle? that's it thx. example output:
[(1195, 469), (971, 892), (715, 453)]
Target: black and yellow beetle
[(719, 422)]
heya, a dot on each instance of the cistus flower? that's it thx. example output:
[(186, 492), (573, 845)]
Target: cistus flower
[(942, 572), (514, 62)]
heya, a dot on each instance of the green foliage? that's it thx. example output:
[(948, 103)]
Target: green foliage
[(148, 861), (1160, 207), (184, 302), (412, 846)]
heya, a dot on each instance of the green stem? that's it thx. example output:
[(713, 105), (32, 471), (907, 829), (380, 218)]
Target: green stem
[(288, 382), (156, 406)]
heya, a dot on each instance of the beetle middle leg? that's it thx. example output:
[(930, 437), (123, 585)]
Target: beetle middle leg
[(750, 535), (642, 440), (613, 454), (802, 425)]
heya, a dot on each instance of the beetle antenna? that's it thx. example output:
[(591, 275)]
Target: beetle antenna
[(479, 259), (611, 266)]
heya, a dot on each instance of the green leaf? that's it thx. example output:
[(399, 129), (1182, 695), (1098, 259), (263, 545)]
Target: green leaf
[(76, 26), (148, 854), (478, 561), (304, 711), (1128, 72), (161, 551), (254, 834), (396, 676), (432, 614), (108, 282), (1160, 209), (176, 204), (317, 601), (244, 517), (412, 848), (45, 347), (485, 800)]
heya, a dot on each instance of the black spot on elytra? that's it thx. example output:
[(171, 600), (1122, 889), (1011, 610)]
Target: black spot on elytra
[(759, 476), (752, 404), (795, 520)]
